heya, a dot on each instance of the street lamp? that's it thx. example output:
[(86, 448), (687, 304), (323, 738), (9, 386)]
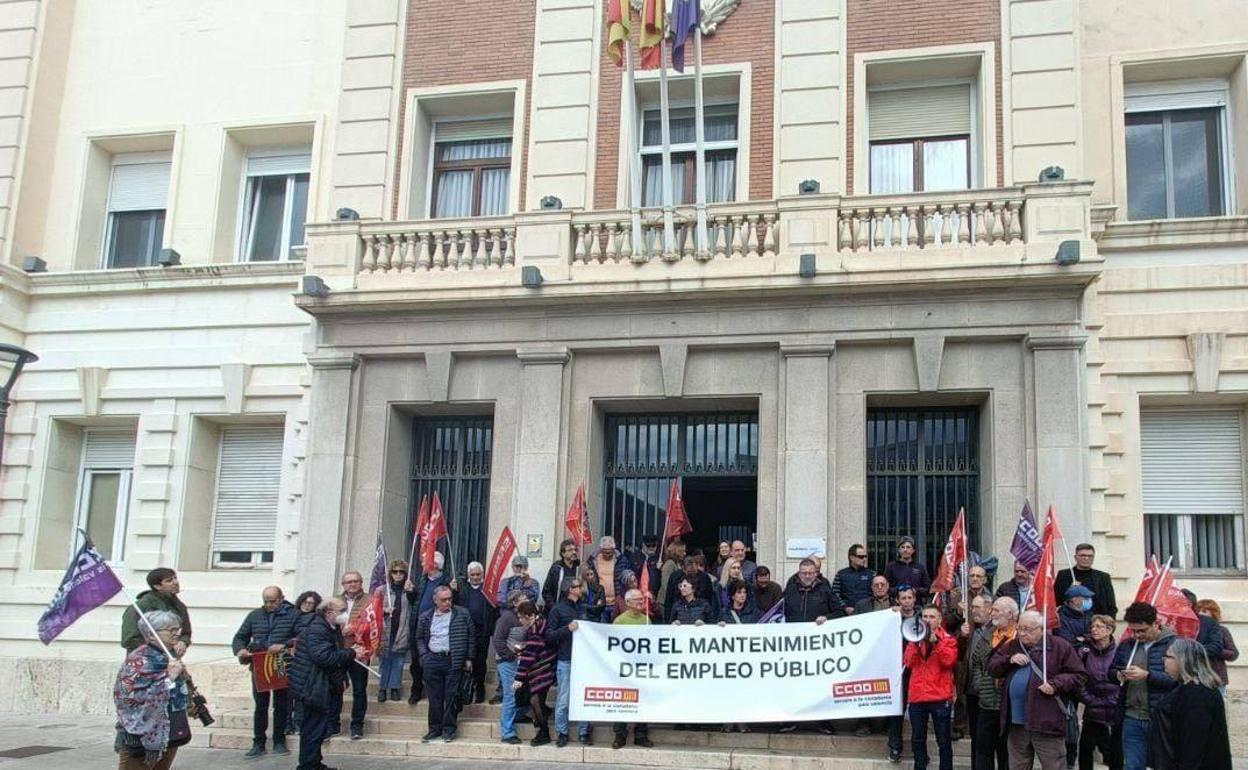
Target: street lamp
[(16, 357)]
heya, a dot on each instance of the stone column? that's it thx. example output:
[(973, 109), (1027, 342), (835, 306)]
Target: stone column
[(807, 452), (329, 465), (535, 485), (1061, 432)]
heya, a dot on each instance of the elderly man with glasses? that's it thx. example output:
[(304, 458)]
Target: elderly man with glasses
[(356, 599)]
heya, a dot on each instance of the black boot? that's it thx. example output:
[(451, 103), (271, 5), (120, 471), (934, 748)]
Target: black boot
[(256, 750), (394, 694), (381, 695), (542, 738)]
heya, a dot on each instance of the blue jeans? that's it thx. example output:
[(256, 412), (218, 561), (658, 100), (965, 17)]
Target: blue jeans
[(392, 670), (506, 677), (1134, 743), (942, 720), (563, 678)]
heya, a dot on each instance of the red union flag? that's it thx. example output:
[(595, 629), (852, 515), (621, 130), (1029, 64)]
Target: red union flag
[(1158, 589), (366, 632), (577, 520), (953, 557), (677, 520), (504, 550), (433, 531), (1152, 571), (1042, 597)]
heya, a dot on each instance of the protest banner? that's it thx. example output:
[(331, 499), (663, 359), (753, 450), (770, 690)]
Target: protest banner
[(777, 672)]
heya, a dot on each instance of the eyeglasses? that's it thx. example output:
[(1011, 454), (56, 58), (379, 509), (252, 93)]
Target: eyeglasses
[(860, 556)]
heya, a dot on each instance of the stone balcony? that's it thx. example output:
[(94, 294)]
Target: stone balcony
[(969, 237)]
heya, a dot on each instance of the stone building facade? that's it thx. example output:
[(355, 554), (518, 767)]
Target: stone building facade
[(931, 327)]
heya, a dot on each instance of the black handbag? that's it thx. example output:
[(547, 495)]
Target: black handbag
[(179, 728), (467, 689)]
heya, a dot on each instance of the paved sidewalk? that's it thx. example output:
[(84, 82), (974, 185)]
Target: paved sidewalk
[(86, 743)]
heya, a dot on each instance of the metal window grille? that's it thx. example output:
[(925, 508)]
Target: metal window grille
[(645, 452), (922, 466), (452, 455)]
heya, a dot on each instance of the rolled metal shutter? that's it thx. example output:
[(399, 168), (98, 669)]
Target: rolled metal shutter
[(1192, 461), (911, 113), (249, 477), (108, 449), (140, 182), (465, 130)]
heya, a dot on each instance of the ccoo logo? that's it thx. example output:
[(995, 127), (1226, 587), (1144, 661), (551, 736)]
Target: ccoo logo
[(860, 687), (611, 695)]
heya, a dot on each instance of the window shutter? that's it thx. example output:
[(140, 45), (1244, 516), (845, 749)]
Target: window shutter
[(248, 478), (910, 113), (464, 130), (1192, 461), (1176, 95), (140, 182), (108, 449), (279, 161)]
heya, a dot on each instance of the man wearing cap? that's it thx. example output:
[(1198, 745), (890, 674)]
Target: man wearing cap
[(609, 568), (647, 559), (520, 580), (1075, 615), (906, 570)]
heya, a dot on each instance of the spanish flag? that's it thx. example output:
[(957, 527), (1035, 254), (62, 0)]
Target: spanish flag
[(619, 29), (653, 30)]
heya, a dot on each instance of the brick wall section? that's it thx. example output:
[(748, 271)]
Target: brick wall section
[(468, 41), (879, 25), (748, 35)]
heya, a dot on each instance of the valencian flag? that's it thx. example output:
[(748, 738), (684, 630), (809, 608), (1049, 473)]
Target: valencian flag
[(433, 531), (1027, 541), (268, 671), (953, 557), (619, 28), (1043, 598), (577, 520), (686, 15), (504, 551), (88, 583), (653, 30), (677, 520)]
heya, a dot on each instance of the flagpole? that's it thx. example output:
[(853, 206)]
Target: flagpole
[(699, 128), (966, 588), (143, 619), (669, 222), (634, 152)]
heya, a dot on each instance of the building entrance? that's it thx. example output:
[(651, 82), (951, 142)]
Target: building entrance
[(715, 454)]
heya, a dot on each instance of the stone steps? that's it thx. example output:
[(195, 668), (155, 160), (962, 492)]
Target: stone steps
[(682, 755)]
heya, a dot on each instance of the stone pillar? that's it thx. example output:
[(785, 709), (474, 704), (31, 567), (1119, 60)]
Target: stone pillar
[(329, 465), (807, 452), (1061, 432), (535, 485)]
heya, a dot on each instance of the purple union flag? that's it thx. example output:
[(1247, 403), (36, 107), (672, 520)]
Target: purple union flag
[(88, 583), (1027, 542)]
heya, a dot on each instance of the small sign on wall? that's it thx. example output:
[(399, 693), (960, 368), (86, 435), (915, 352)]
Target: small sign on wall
[(801, 547), (534, 549)]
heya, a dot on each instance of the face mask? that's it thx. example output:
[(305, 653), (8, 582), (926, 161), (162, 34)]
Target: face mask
[(1085, 605), (342, 618)]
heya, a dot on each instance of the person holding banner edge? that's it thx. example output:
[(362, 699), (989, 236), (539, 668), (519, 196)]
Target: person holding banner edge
[(561, 623), (266, 629), (633, 615)]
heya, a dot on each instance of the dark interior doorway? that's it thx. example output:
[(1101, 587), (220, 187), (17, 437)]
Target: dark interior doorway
[(721, 508)]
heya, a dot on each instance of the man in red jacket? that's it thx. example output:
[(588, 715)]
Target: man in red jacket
[(931, 663), (1032, 714)]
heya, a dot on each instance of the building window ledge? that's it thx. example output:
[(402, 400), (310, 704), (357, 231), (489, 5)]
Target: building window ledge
[(1169, 233), (179, 277)]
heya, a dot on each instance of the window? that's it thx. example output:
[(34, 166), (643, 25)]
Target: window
[(1192, 468), (720, 133), (920, 138), (275, 204), (104, 489), (249, 472), (137, 193), (1176, 158), (453, 457), (472, 168)]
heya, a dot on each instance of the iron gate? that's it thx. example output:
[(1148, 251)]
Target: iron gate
[(645, 452), (451, 455), (922, 466)]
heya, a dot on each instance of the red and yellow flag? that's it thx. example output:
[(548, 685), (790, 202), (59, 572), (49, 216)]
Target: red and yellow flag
[(653, 30), (619, 29)]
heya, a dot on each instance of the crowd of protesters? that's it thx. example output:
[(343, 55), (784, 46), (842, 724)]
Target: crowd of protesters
[(1023, 693)]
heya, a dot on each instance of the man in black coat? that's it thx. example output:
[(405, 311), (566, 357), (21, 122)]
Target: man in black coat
[(267, 629), (807, 598), (560, 624), (1103, 600), (560, 574), (444, 643), (1210, 634), (852, 584), (318, 673), (484, 615)]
